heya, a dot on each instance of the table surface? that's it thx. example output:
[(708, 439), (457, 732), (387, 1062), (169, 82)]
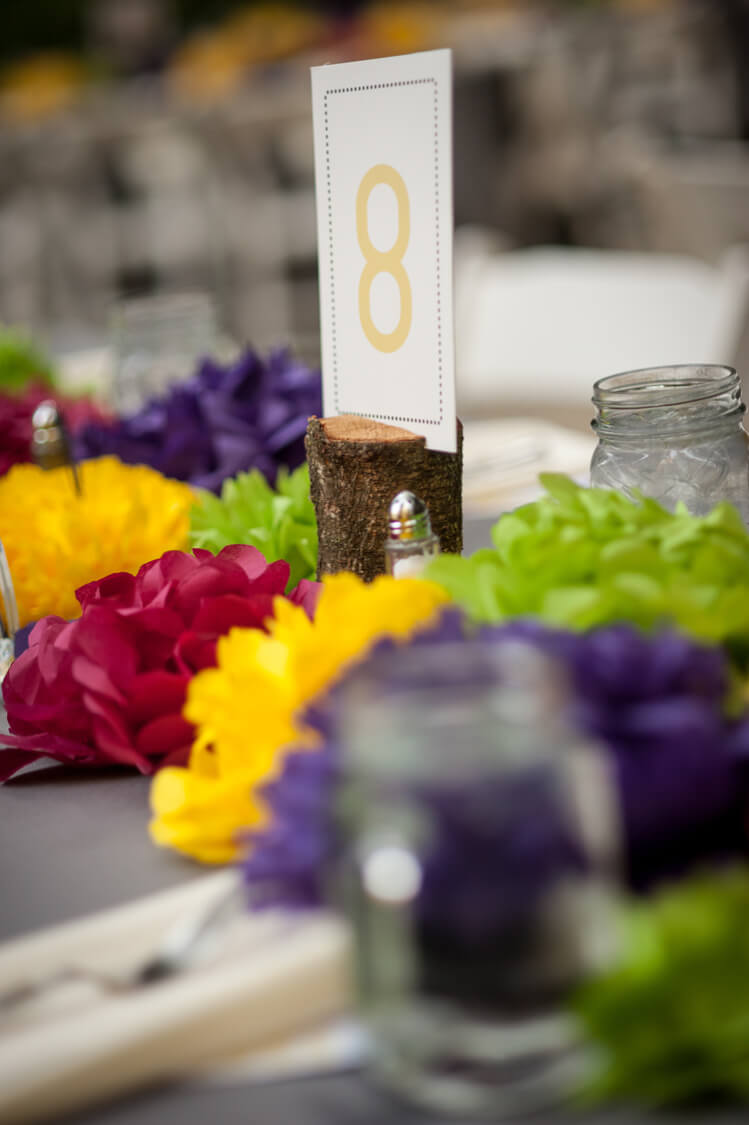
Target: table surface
[(73, 843)]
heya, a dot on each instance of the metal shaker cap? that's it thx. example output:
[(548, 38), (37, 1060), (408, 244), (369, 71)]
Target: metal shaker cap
[(48, 441), (408, 517)]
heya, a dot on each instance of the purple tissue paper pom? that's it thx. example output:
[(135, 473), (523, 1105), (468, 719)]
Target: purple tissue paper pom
[(251, 414)]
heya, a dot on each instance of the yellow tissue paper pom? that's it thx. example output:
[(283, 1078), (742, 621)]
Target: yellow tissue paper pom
[(56, 540), (215, 811), (246, 709)]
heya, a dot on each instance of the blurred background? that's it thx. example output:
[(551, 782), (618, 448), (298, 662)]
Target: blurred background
[(153, 147)]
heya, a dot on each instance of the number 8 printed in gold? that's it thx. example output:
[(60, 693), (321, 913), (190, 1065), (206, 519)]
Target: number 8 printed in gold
[(384, 261)]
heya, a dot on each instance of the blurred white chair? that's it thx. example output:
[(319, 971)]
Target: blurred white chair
[(698, 198), (543, 324)]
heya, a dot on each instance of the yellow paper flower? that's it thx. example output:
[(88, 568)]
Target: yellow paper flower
[(246, 709), (56, 540)]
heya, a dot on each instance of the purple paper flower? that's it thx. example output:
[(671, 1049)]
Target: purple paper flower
[(224, 420), (655, 702), (289, 861)]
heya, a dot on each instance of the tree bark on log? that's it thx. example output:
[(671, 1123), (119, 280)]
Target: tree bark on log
[(356, 467)]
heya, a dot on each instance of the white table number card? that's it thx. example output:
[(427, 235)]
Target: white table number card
[(383, 171)]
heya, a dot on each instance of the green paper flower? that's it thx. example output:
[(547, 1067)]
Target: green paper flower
[(583, 557), (670, 1020), (279, 523), (20, 362)]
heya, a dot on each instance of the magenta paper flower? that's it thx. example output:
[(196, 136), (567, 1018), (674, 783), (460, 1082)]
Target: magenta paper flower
[(108, 688)]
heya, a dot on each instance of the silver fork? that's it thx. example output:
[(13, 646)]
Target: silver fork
[(185, 943)]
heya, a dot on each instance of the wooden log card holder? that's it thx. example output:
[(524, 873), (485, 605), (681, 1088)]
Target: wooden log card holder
[(356, 467)]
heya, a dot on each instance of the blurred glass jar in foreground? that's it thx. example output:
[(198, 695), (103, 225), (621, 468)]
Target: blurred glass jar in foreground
[(674, 433), (470, 875), (158, 341)]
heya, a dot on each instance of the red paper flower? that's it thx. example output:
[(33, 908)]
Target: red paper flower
[(109, 687)]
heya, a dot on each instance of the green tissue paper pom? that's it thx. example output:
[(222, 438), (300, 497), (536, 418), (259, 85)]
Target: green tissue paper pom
[(670, 1019), (20, 362), (280, 523), (584, 557)]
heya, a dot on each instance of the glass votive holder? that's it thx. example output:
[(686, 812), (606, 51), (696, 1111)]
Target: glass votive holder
[(476, 890), (158, 341)]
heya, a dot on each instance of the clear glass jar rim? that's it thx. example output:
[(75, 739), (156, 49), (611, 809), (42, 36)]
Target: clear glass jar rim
[(175, 305), (669, 385)]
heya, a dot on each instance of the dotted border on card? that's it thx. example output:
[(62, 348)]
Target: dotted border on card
[(355, 90)]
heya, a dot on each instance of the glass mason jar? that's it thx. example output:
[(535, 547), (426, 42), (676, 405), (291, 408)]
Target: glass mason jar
[(470, 875), (158, 341), (674, 434)]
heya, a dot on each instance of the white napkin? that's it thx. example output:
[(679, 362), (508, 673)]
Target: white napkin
[(276, 976), (341, 1044), (503, 457)]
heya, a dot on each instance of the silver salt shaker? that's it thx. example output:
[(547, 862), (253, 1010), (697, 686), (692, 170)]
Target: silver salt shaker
[(50, 444), (411, 543)]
